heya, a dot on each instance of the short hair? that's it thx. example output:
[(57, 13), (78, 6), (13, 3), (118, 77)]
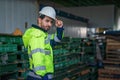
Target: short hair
[(41, 16)]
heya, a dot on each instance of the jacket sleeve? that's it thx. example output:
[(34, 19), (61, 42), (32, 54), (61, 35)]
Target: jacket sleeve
[(37, 55), (57, 37)]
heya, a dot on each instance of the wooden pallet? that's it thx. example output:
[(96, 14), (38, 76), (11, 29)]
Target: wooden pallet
[(85, 72), (112, 41), (20, 78), (110, 76), (22, 74), (113, 56), (113, 38), (113, 59), (115, 52), (112, 44), (100, 78), (113, 47), (108, 71), (111, 67), (110, 62)]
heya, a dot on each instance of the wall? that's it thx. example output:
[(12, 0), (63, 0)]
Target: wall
[(118, 20), (14, 14), (99, 16)]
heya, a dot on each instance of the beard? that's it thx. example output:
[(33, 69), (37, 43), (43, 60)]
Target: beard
[(45, 28)]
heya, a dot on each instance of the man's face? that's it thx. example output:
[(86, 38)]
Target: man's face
[(46, 23)]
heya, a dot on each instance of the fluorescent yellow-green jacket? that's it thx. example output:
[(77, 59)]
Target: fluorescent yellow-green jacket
[(37, 41)]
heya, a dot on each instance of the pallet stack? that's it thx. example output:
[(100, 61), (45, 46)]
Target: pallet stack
[(111, 70), (71, 59), (89, 57), (8, 48), (22, 65), (89, 51), (12, 56), (67, 59)]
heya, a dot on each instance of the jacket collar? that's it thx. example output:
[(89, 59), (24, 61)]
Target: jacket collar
[(37, 27)]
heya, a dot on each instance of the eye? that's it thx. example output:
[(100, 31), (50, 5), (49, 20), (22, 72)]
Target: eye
[(47, 20), (51, 21)]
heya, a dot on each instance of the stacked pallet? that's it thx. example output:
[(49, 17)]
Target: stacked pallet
[(66, 56), (111, 69), (89, 57), (12, 56), (22, 65), (8, 48), (93, 73), (71, 59), (89, 51)]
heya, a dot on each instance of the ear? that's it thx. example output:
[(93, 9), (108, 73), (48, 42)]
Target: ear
[(38, 20)]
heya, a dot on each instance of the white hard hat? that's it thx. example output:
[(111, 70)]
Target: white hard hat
[(48, 11)]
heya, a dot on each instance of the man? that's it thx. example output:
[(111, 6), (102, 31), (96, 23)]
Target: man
[(39, 42)]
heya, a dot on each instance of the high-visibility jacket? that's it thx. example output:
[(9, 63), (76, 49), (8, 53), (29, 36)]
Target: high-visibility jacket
[(40, 53)]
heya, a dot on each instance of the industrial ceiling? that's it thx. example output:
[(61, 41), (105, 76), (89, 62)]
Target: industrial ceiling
[(81, 3)]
